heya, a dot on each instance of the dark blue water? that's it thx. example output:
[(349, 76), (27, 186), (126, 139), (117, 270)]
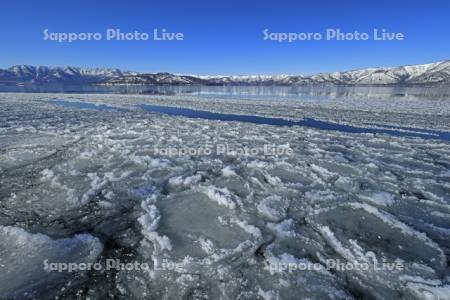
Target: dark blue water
[(306, 122), (304, 93)]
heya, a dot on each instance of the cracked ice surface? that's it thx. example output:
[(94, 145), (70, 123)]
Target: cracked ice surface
[(83, 185)]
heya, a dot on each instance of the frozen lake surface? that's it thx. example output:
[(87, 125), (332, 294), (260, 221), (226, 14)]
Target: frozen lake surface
[(102, 178), (307, 122)]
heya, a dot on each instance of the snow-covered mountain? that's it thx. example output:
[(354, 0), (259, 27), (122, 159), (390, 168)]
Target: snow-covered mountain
[(156, 78), (434, 73), (42, 74), (426, 74)]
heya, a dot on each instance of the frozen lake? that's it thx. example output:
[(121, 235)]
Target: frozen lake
[(224, 197), (307, 122)]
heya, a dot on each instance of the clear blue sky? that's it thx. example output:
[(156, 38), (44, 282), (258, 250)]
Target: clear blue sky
[(224, 37)]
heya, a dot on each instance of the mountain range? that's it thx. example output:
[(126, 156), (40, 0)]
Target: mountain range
[(42, 74), (426, 74)]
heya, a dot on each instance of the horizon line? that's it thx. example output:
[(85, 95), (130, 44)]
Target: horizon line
[(221, 75)]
